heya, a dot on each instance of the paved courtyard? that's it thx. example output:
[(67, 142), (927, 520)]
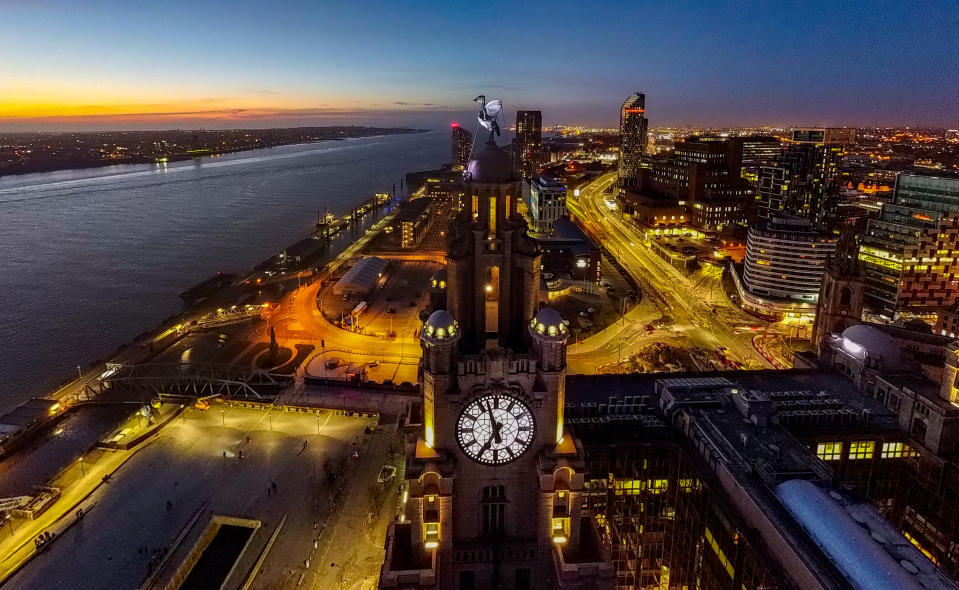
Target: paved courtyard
[(192, 470)]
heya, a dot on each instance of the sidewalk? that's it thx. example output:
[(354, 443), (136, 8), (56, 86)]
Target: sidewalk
[(347, 557)]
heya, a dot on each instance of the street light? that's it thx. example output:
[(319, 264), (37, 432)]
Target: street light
[(223, 416), (83, 472)]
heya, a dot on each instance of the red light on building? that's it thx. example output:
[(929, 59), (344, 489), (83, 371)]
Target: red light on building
[(640, 111), (454, 124)]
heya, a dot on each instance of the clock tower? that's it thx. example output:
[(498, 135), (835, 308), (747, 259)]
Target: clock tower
[(494, 481)]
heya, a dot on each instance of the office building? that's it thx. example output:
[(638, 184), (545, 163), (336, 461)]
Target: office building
[(783, 268), (528, 143), (804, 179), (758, 151), (410, 222), (461, 144), (633, 136), (910, 253), (704, 175), (545, 199)]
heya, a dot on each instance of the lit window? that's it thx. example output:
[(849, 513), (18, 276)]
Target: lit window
[(861, 449), (829, 451), (897, 450)]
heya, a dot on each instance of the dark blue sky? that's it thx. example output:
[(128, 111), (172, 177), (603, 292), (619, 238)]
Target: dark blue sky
[(245, 63)]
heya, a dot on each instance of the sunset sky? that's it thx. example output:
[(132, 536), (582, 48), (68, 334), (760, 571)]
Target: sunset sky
[(110, 65)]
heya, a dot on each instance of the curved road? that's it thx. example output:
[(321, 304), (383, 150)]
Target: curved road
[(699, 310)]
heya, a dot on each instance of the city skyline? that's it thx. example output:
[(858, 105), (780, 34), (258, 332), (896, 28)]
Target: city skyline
[(185, 66)]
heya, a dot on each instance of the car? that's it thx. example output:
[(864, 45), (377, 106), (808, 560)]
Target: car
[(374, 363), (355, 455), (390, 310), (332, 363), (202, 404), (387, 473)]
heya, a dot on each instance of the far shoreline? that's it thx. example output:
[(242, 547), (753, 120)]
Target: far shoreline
[(184, 157)]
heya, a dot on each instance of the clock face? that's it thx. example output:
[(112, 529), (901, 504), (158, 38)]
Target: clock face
[(495, 429)]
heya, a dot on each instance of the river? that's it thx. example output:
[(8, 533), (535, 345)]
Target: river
[(91, 258)]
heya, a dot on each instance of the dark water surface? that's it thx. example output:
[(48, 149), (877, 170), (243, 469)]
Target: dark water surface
[(91, 258)]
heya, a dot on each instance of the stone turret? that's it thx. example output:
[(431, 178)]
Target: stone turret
[(438, 339), (549, 335)]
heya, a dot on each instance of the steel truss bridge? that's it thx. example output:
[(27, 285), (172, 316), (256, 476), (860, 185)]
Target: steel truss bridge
[(186, 379)]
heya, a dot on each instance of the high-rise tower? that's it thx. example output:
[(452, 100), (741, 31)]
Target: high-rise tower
[(633, 134), (528, 141), (461, 143)]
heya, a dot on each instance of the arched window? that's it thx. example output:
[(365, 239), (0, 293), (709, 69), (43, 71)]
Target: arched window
[(845, 296)]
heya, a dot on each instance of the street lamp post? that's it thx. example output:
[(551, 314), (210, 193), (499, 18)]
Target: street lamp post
[(79, 372), (270, 416), (83, 472), (223, 416)]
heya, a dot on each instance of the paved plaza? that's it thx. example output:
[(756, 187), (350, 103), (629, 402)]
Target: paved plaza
[(192, 470)]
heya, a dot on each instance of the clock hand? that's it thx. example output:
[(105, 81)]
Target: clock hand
[(497, 426)]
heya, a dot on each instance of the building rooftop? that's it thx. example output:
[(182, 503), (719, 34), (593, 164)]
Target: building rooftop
[(868, 552), (411, 210)]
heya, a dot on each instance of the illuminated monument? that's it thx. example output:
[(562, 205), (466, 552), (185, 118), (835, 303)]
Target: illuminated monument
[(495, 484)]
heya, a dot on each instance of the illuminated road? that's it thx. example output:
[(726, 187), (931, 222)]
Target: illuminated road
[(697, 305), (299, 320)]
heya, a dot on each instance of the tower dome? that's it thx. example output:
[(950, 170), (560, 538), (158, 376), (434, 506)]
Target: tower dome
[(548, 322), (490, 165), (440, 325), (864, 341)]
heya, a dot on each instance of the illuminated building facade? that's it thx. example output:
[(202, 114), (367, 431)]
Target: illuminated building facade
[(758, 151), (545, 201), (528, 143), (633, 137), (461, 144), (804, 179), (911, 252), (786, 258), (704, 174)]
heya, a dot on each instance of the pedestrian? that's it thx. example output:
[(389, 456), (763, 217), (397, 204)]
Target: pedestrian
[(315, 544)]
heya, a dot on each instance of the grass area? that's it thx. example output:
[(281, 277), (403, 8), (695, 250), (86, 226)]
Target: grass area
[(302, 351), (251, 354), (229, 351), (267, 361)]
